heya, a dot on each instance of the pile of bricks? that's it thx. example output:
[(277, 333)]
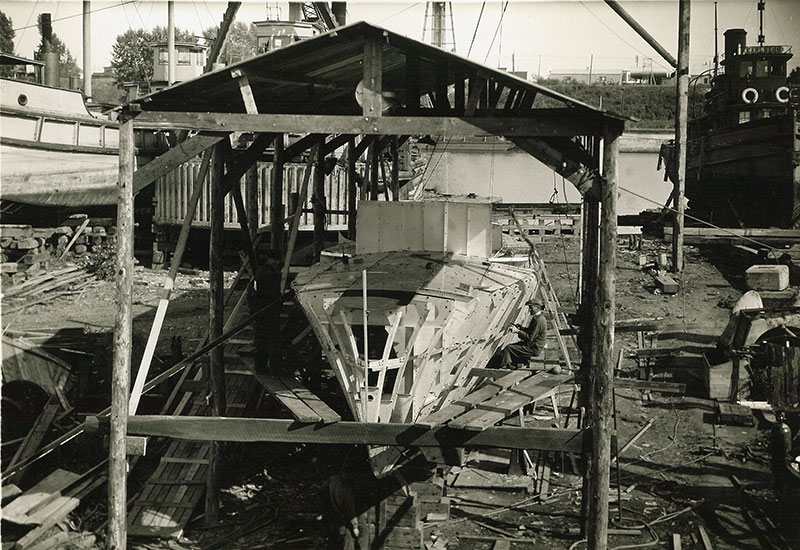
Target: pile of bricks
[(83, 235)]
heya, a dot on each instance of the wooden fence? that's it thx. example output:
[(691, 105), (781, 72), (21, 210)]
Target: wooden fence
[(173, 191)]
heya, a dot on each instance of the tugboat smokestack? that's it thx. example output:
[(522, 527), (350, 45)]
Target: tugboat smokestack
[(735, 42)]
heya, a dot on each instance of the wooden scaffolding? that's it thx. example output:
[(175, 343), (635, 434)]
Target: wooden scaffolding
[(365, 89)]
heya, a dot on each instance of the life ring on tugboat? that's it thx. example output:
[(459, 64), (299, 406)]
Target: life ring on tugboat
[(750, 95), (782, 94)]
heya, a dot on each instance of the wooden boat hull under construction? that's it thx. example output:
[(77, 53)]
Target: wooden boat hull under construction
[(430, 315)]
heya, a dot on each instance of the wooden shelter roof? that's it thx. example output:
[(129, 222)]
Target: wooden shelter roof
[(319, 76)]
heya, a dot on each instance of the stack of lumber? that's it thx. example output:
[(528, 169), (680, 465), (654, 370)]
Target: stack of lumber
[(24, 253), (44, 287), (81, 235)]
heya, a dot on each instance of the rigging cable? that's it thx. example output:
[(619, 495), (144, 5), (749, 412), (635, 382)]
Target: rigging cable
[(27, 26), (704, 222), (474, 34), (496, 30)]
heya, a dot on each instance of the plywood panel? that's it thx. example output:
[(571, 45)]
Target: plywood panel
[(456, 219), (434, 226)]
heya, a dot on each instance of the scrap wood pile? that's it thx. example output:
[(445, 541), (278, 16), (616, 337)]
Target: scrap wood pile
[(44, 510), (45, 287)]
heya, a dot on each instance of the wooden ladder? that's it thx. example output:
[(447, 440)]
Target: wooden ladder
[(548, 295)]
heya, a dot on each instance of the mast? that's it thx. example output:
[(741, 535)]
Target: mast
[(761, 4), (716, 43)]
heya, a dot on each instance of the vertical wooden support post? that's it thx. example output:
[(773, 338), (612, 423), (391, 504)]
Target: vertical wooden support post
[(251, 199), (352, 189), (601, 376), (372, 99), (373, 159), (588, 317), (276, 195), (682, 113), (216, 308), (395, 144), (588, 309), (318, 201), (412, 82), (123, 325)]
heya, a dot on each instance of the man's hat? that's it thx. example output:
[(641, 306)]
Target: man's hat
[(535, 302)]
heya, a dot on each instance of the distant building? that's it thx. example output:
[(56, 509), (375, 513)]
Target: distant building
[(273, 34), (104, 88), (619, 77), (615, 77), (190, 59)]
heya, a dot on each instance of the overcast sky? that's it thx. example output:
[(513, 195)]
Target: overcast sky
[(540, 35)]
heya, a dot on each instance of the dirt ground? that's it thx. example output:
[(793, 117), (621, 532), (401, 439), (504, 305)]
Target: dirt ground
[(675, 479)]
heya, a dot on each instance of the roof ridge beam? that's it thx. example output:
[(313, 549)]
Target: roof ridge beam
[(563, 121)]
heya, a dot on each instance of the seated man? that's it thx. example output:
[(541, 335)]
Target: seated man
[(531, 339)]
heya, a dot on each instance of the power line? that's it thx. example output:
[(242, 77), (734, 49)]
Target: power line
[(28, 21), (75, 15), (415, 4)]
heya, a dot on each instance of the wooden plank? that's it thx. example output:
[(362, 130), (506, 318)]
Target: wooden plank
[(202, 428), (296, 406), (320, 408), (704, 538), (55, 483), (466, 403), (34, 437), (546, 122), (177, 155), (494, 410)]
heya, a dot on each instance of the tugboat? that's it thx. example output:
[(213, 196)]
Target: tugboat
[(743, 153), (418, 304)]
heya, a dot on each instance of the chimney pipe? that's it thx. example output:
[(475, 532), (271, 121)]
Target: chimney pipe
[(51, 62), (339, 10), (87, 49), (735, 42)]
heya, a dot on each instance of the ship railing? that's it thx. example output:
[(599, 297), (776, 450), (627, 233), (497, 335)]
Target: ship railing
[(67, 132)]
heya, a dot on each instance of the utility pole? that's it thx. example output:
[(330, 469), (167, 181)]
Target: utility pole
[(171, 41), (591, 63), (87, 49), (681, 113)]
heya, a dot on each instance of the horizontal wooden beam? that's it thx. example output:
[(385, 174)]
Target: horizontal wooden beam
[(540, 122), (204, 428)]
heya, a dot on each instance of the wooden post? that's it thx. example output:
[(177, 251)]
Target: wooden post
[(123, 326), (171, 53), (251, 199), (216, 373), (373, 158), (395, 143), (601, 376), (588, 311), (372, 99), (352, 189), (276, 219), (318, 202), (681, 113)]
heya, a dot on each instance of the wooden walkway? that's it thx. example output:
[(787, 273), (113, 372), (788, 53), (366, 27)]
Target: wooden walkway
[(498, 399), (172, 492)]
